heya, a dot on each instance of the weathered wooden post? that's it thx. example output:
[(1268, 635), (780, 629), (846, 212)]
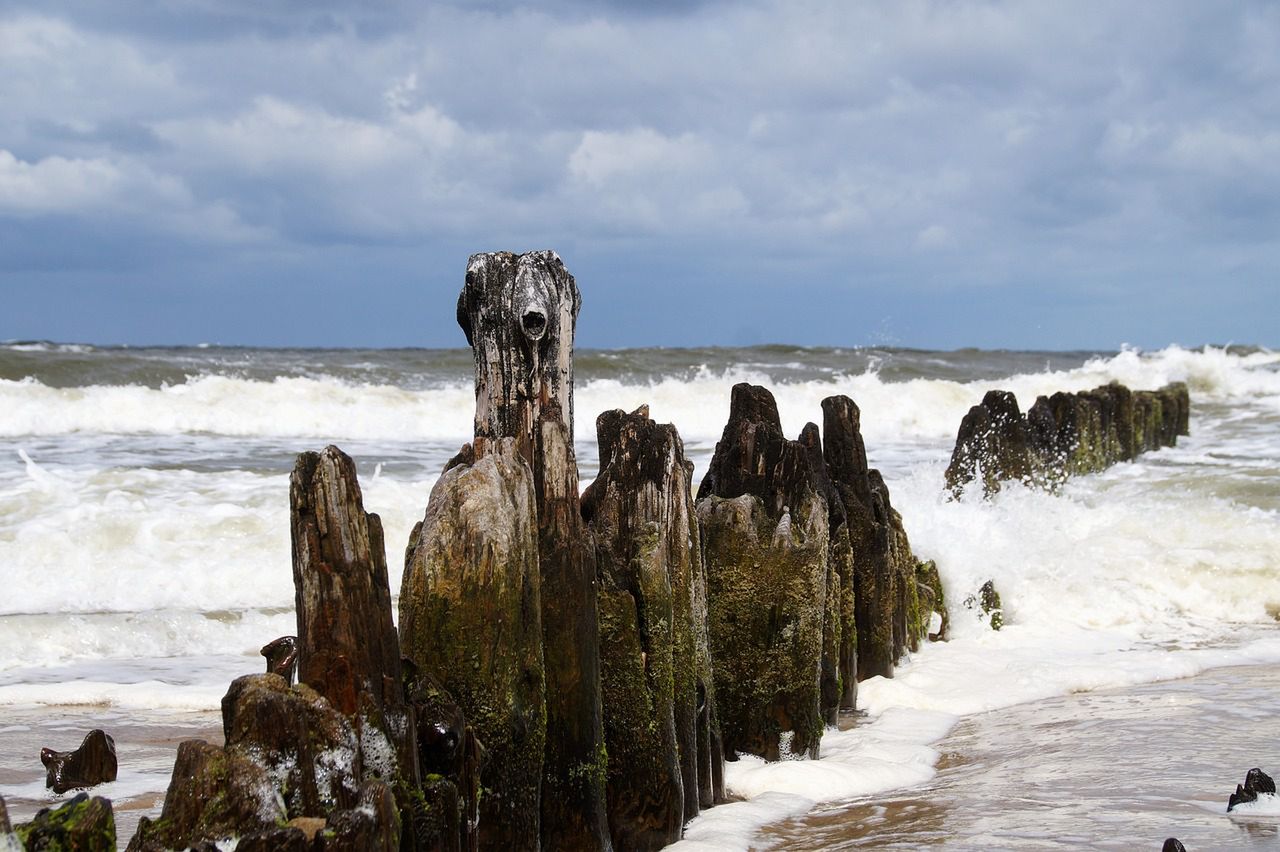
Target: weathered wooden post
[(339, 747), (652, 622), (519, 314), (835, 626), (469, 618), (347, 646), (765, 539), (873, 653)]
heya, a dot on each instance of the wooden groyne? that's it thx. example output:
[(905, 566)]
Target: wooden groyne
[(569, 671), (1063, 435)]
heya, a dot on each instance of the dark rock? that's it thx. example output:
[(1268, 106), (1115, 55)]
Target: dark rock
[(1255, 782), (1172, 844), (652, 635), (310, 750), (469, 618), (283, 839), (518, 313), (764, 524), (282, 657), (92, 764), (81, 824), (214, 795)]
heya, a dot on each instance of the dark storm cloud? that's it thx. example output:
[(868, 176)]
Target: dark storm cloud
[(1025, 164)]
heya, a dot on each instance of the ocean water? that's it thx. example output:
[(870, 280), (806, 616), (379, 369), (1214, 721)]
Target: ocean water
[(144, 541)]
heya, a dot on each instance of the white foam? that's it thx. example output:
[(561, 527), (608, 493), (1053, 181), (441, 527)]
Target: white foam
[(326, 408), (1266, 805), (146, 695), (137, 540)]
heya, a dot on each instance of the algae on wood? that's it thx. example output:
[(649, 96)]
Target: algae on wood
[(469, 618), (652, 631), (764, 529)]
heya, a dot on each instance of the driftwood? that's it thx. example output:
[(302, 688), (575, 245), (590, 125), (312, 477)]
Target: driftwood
[(1063, 435), (518, 313), (93, 763), (655, 663)]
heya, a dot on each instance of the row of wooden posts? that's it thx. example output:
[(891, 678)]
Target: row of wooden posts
[(570, 671), (612, 650)]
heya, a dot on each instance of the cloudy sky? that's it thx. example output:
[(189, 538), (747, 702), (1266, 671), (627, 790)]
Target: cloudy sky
[(933, 174)]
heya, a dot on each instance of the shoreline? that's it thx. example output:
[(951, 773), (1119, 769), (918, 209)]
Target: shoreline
[(1119, 768), (987, 778), (900, 749)]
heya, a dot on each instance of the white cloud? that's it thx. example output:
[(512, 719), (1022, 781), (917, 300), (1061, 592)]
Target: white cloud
[(639, 155), (97, 187), (1211, 147), (55, 184)]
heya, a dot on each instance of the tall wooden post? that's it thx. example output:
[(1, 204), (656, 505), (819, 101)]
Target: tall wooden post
[(519, 312)]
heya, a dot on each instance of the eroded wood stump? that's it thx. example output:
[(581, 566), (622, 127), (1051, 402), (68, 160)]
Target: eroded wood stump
[(93, 763), (883, 568), (652, 630), (82, 824), (348, 650), (313, 751), (765, 538), (469, 618)]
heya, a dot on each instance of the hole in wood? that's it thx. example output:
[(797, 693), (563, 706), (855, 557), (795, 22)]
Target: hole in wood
[(534, 323)]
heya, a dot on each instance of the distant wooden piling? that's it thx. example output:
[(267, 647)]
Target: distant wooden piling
[(1063, 435)]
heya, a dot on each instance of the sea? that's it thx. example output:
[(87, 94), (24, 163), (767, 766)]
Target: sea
[(144, 560)]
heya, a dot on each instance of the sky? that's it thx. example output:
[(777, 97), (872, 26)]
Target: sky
[(1050, 175)]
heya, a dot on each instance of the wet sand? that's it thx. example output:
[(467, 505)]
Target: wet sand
[(146, 745), (1111, 769)]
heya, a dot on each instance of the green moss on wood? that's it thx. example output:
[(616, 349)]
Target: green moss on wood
[(766, 593), (82, 824)]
